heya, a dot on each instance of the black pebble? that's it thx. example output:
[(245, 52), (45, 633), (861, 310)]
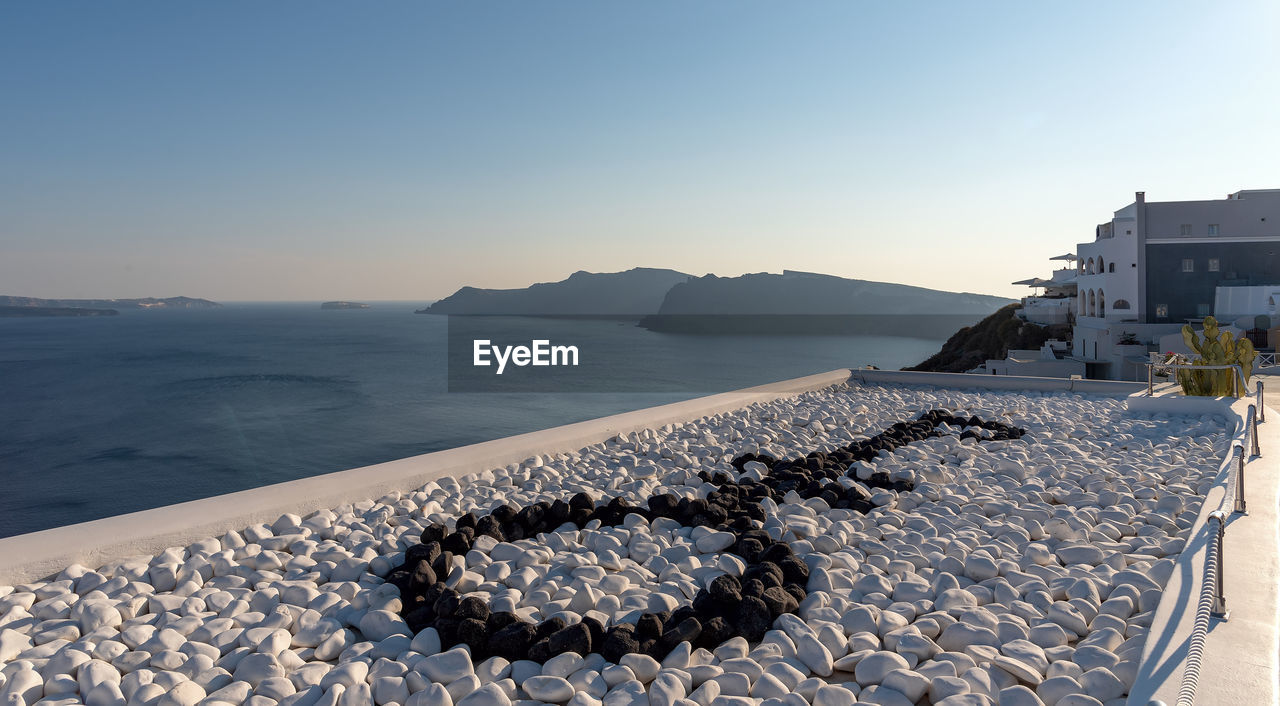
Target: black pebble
[(472, 607), (753, 619), (687, 630), (574, 638), (475, 634), (446, 606), (714, 632), (549, 627), (490, 526), (620, 640), (442, 565), (433, 533), (779, 601), (540, 652), (500, 620), (422, 578), (726, 588), (648, 627), (513, 641)]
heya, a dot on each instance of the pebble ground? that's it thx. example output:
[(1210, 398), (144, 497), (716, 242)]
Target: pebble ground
[(1020, 571)]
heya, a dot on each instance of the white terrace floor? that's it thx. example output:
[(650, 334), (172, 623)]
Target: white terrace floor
[(1240, 663)]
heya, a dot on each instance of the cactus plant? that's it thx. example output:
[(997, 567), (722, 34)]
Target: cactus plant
[(1217, 347)]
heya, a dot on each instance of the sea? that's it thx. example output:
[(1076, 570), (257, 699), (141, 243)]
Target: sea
[(101, 416)]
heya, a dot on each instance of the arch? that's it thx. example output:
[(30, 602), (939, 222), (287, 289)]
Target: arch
[(1101, 268), (1090, 267), (1111, 267), (1102, 303), (1083, 304), (1093, 303), (1120, 304)]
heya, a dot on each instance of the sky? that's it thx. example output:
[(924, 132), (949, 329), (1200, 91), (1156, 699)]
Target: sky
[(400, 150)]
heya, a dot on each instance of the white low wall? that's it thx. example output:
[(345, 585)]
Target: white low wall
[(1105, 388), (38, 555)]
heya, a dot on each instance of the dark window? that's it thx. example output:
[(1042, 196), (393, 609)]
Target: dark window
[(1162, 311), (1188, 265), (1111, 267), (1213, 229), (1121, 304), (1185, 229), (1213, 264)]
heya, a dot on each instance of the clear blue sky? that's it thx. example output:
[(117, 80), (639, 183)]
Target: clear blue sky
[(398, 150)]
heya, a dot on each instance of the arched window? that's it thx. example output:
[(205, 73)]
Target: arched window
[(1093, 303), (1101, 268), (1111, 267), (1090, 267), (1102, 303), (1120, 304)]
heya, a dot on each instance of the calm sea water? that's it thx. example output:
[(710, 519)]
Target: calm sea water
[(102, 416)]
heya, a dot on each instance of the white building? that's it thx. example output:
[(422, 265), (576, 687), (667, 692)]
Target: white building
[(1057, 305), (1152, 268), (1156, 266)]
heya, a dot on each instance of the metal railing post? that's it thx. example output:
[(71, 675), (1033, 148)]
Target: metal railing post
[(1253, 429), (1151, 369), (1219, 594), (1262, 407), (1240, 507)]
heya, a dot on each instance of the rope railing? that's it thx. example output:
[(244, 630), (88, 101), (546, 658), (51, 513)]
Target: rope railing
[(1213, 599), (1212, 605)]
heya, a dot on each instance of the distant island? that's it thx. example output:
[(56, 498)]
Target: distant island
[(762, 303), (636, 292), (14, 312), (11, 306), (343, 305), (806, 302), (143, 303)]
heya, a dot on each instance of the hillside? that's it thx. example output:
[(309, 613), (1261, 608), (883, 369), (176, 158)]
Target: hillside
[(808, 293), (805, 303), (992, 337), (636, 292)]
